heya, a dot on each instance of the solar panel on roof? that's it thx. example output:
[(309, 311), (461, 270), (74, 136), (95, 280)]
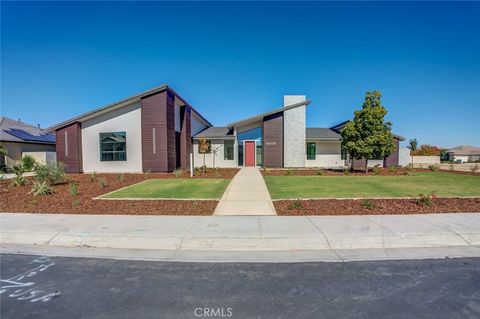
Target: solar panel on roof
[(26, 136)]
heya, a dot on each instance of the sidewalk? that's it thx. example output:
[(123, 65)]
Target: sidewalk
[(246, 195), (323, 237)]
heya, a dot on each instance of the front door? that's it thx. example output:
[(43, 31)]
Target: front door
[(249, 153)]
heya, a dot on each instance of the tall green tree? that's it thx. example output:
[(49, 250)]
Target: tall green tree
[(368, 135)]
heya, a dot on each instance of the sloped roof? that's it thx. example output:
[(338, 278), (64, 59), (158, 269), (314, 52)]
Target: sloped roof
[(215, 133), (465, 150), (339, 127), (119, 104), (260, 117), (17, 131), (322, 133)]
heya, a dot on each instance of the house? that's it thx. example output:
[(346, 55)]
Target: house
[(157, 130), (464, 153), (20, 138)]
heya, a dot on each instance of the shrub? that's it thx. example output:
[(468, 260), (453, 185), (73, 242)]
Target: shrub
[(425, 199), (76, 203), (290, 171), (368, 204), (52, 174), (295, 205), (376, 170), (146, 174), (120, 177), (474, 168), (346, 172), (177, 172), (434, 168), (28, 163), (320, 172), (41, 188), (73, 189), (392, 169), (427, 150), (266, 171), (93, 176), (102, 182), (18, 179)]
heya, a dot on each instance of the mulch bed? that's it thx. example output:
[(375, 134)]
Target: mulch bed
[(381, 206), (330, 172), (19, 200)]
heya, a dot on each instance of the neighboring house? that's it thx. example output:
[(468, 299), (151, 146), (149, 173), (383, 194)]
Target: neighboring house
[(19, 138), (157, 130), (464, 153)]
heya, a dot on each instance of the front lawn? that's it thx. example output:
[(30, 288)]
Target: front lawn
[(174, 188), (443, 184)]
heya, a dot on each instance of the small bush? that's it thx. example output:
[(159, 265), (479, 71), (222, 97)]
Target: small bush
[(93, 176), (290, 172), (52, 174), (146, 175), (177, 173), (76, 203), (73, 189), (425, 199), (434, 168), (346, 172), (376, 170), (102, 182), (368, 204), (320, 172), (392, 169), (28, 163), (18, 179), (295, 205), (41, 188), (474, 168), (120, 177), (266, 171)]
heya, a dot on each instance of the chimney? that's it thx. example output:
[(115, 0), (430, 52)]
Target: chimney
[(293, 99)]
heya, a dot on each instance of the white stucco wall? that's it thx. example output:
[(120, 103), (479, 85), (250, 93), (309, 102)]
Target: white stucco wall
[(294, 125), (127, 119), (423, 161), (404, 157), (328, 155), (219, 158), (42, 157)]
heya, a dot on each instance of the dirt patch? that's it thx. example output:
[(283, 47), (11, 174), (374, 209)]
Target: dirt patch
[(18, 199), (379, 206), (330, 172)]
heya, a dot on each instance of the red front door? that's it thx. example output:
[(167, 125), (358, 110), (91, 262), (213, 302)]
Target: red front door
[(249, 153)]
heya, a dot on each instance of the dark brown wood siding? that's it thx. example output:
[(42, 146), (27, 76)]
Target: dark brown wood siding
[(69, 147), (185, 137), (393, 159), (273, 140), (155, 157)]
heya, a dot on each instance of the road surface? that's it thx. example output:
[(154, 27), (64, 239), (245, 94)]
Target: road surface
[(57, 287)]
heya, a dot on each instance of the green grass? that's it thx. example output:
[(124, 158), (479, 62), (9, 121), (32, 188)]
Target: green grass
[(207, 188), (443, 184)]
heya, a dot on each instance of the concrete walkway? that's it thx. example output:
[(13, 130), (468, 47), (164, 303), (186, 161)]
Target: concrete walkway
[(243, 238), (247, 194)]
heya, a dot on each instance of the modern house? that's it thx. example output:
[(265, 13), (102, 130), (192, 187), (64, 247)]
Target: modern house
[(19, 138), (464, 153), (157, 130)]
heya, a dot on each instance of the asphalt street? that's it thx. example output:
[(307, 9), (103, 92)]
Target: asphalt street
[(57, 287)]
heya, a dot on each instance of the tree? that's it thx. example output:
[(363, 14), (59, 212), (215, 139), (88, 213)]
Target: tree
[(412, 145), (368, 135), (203, 148)]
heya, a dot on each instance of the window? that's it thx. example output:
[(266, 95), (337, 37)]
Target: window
[(311, 150), (228, 150), (344, 154), (204, 148), (113, 146)]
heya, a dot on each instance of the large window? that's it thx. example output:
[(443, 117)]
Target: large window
[(113, 146), (228, 150), (311, 150)]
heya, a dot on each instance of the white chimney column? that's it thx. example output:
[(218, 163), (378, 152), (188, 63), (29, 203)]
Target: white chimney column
[(294, 132)]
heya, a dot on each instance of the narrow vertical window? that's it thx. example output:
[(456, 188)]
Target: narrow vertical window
[(311, 150), (154, 144), (66, 143), (228, 150)]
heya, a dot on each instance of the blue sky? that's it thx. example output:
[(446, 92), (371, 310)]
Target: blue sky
[(233, 60)]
